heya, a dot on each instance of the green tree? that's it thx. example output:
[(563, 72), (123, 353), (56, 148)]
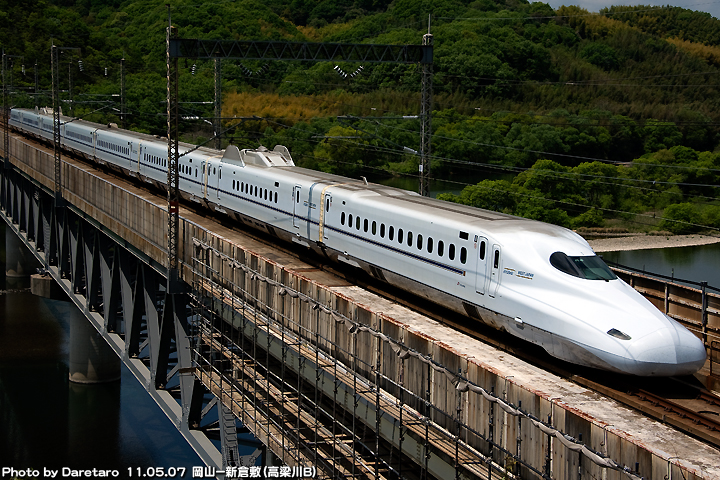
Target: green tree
[(601, 55), (681, 218)]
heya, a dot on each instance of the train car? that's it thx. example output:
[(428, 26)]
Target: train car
[(540, 282)]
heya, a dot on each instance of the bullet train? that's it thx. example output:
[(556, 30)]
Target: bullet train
[(540, 282)]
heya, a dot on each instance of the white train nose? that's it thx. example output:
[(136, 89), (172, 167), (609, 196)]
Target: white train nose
[(670, 350)]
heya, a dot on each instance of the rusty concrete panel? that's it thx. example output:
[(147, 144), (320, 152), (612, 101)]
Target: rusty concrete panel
[(390, 364)]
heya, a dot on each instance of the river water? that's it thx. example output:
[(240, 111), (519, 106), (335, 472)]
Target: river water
[(46, 421), (697, 264)]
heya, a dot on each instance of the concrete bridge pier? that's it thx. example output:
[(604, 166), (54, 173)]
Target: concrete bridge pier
[(91, 358), (19, 262)]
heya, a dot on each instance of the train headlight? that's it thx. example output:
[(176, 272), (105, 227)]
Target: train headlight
[(618, 334)]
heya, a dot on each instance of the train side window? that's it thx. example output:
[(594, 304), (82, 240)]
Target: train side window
[(327, 204), (391, 233), (275, 197), (451, 251), (430, 245), (463, 255), (409, 239), (357, 223), (342, 218), (374, 227), (419, 242), (365, 225), (400, 235), (242, 186), (297, 200), (441, 248), (482, 250), (382, 230), (256, 191), (265, 193), (233, 187), (496, 261)]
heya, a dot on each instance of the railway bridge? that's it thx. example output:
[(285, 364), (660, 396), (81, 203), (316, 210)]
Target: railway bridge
[(336, 382)]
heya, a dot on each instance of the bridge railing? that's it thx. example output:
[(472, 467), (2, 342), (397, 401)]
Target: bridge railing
[(698, 309)]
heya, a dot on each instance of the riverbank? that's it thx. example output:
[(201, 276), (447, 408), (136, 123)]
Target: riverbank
[(643, 242)]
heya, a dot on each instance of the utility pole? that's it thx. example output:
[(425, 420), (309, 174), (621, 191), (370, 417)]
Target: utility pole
[(218, 104), (425, 118), (6, 108), (6, 123), (122, 92), (55, 64), (54, 61), (172, 161), (36, 85), (70, 88)]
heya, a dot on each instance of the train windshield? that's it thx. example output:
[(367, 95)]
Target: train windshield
[(590, 268)]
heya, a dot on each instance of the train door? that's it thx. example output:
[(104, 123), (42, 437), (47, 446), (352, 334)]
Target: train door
[(218, 178), (296, 205), (494, 270), (140, 152), (204, 179), (324, 212), (481, 277)]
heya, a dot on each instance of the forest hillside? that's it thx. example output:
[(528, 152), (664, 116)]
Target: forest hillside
[(584, 119)]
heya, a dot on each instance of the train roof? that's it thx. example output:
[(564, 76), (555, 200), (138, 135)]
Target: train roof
[(111, 127)]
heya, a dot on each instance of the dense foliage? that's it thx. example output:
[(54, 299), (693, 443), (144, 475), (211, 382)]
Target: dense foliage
[(578, 119)]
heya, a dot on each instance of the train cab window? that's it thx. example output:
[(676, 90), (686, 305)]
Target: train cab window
[(382, 230), (400, 235), (374, 227), (342, 218), (419, 242), (441, 248), (430, 245), (409, 239), (357, 223), (391, 233), (365, 225), (482, 250), (590, 268), (451, 251), (463, 255), (496, 260)]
